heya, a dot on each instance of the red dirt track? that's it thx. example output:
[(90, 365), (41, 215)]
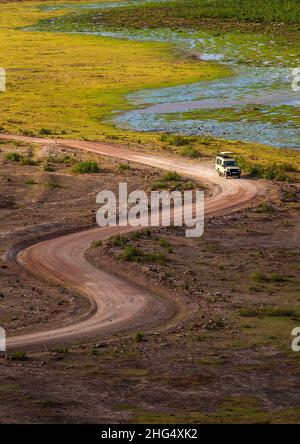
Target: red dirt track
[(116, 305)]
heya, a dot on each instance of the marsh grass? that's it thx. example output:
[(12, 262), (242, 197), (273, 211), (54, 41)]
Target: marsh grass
[(192, 13)]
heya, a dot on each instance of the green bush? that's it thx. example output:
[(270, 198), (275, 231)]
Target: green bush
[(171, 175), (17, 356), (187, 186), (131, 253), (190, 151), (124, 167), (118, 241), (15, 157), (274, 171), (90, 167), (280, 312), (96, 243), (178, 140), (139, 336), (66, 159), (264, 208), (47, 167), (274, 277), (45, 132), (159, 258), (52, 184), (31, 182), (28, 161), (258, 276)]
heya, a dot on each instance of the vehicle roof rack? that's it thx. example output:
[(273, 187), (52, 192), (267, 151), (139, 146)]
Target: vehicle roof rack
[(226, 154)]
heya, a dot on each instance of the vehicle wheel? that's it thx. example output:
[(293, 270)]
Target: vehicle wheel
[(239, 176)]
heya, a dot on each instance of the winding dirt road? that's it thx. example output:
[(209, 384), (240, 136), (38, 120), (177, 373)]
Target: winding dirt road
[(116, 305)]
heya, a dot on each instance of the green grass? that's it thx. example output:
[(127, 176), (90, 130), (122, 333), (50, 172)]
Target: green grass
[(131, 253), (172, 181), (171, 176), (135, 254), (118, 241), (139, 336), (65, 159), (28, 161), (81, 79), (190, 13), (13, 156), (261, 277), (17, 356), (96, 244), (16, 157), (273, 171), (265, 312), (124, 167), (191, 152), (264, 208), (90, 167), (31, 182), (52, 184), (79, 104), (8, 387)]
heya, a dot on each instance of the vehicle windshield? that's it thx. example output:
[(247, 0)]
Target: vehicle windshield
[(230, 163)]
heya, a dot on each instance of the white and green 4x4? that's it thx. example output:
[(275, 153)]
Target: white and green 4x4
[(227, 166)]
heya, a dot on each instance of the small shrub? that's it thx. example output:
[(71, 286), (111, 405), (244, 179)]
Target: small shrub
[(178, 140), (66, 159), (139, 336), (96, 243), (47, 167), (258, 276), (90, 167), (171, 175), (276, 277), (187, 186), (159, 258), (191, 152), (28, 161), (264, 208), (45, 132), (124, 167), (53, 185), (118, 241), (31, 182), (159, 185), (15, 157), (60, 350), (17, 356), (269, 312), (164, 243), (131, 253)]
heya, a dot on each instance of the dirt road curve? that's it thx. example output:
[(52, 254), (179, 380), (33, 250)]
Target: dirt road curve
[(116, 305)]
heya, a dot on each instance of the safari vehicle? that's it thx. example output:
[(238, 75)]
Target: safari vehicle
[(227, 166)]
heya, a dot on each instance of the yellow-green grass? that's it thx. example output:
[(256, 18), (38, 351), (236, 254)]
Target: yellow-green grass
[(71, 84)]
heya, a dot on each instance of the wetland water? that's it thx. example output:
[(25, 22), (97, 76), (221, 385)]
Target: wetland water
[(255, 103)]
